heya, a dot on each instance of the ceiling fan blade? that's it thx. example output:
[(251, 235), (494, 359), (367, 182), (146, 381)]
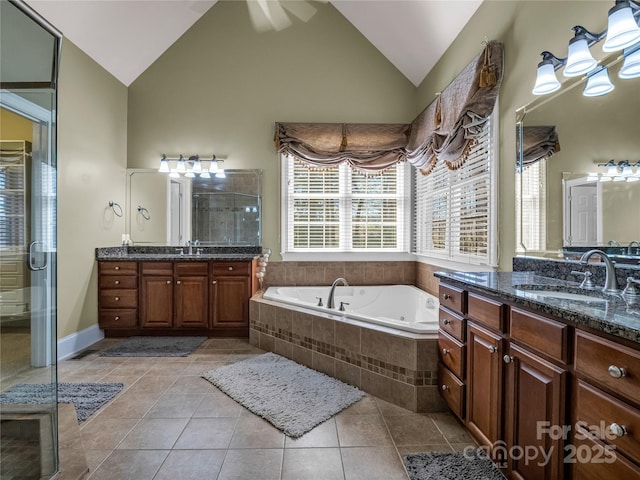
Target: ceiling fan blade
[(300, 8), (267, 14)]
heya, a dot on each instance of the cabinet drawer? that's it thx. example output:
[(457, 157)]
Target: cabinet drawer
[(451, 323), (453, 298), (486, 311), (231, 268), (192, 268), (117, 281), (451, 354), (118, 268), (599, 411), (542, 334), (615, 366), (119, 298), (118, 318), (451, 389), (156, 268), (593, 460)]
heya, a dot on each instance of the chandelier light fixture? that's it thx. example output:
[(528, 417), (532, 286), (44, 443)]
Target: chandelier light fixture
[(192, 166), (622, 33)]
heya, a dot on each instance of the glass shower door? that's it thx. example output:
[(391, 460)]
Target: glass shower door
[(28, 374)]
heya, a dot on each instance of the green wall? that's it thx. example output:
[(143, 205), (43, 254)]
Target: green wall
[(220, 88)]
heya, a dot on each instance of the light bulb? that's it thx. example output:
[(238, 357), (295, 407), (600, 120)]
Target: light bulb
[(622, 29), (579, 60), (164, 165), (546, 81), (598, 83)]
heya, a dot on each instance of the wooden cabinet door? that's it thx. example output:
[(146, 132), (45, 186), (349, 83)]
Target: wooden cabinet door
[(535, 413), (229, 300), (484, 384), (156, 301), (191, 301)]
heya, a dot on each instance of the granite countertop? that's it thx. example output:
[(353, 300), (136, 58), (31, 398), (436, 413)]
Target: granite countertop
[(612, 316), (151, 254)]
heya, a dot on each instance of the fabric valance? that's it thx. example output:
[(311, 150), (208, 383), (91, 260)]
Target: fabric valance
[(365, 146), (538, 142), (447, 128)]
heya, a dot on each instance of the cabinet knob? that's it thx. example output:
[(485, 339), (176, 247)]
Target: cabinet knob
[(507, 359), (168, 282), (116, 318), (117, 282), (230, 268), (178, 282), (214, 282), (492, 349), (617, 372), (117, 298), (446, 296), (443, 387), (445, 351), (446, 321), (618, 430), (117, 268)]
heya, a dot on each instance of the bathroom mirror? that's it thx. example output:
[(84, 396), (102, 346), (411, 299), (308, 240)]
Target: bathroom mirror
[(226, 211), (559, 202)]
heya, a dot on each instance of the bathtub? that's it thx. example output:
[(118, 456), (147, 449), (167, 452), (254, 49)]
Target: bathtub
[(402, 307)]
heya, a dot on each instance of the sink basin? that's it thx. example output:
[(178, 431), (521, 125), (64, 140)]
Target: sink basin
[(542, 294)]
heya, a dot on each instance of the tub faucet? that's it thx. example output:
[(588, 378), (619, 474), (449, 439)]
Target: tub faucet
[(610, 282), (330, 301)]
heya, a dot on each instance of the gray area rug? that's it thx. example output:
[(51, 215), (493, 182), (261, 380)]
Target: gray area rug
[(290, 396), (154, 347), (86, 397), (451, 466)]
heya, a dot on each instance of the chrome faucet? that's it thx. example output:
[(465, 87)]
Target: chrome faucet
[(189, 244), (330, 301), (610, 282), (631, 244)]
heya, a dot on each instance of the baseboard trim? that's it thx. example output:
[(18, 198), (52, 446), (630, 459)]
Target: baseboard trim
[(76, 342)]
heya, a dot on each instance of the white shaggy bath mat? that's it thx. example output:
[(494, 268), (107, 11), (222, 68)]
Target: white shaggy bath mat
[(290, 396)]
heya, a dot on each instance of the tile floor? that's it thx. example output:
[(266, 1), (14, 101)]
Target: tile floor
[(170, 423)]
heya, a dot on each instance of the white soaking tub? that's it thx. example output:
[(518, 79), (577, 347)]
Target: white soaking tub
[(403, 307)]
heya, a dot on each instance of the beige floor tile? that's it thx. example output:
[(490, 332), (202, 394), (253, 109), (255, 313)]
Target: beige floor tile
[(372, 463), (413, 430), (387, 408), (153, 383), (312, 464), (451, 428), (263, 464), (129, 405), (191, 465), (200, 367), (95, 458), (191, 384), (362, 431), (439, 447), (218, 405), (154, 434), (176, 405), (323, 435), (365, 406), (105, 433), (207, 433), (255, 432), (130, 465)]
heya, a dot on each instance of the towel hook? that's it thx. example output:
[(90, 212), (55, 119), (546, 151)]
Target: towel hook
[(144, 212), (117, 209)]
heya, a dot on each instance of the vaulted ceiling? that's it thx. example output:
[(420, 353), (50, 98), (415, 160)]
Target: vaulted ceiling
[(126, 36)]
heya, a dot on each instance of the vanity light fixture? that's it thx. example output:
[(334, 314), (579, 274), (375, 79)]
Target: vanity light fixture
[(622, 32), (598, 83), (191, 167), (621, 171)]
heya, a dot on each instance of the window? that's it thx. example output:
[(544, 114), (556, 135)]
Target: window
[(531, 187), (455, 210), (340, 209)]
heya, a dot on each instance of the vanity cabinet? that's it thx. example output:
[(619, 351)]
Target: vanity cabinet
[(118, 297), (607, 405), (452, 347), (231, 282), (173, 297)]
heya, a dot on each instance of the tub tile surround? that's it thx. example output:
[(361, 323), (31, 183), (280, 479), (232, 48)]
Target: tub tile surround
[(399, 367)]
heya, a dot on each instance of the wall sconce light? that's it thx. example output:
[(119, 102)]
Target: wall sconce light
[(622, 32), (191, 167), (621, 171)]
